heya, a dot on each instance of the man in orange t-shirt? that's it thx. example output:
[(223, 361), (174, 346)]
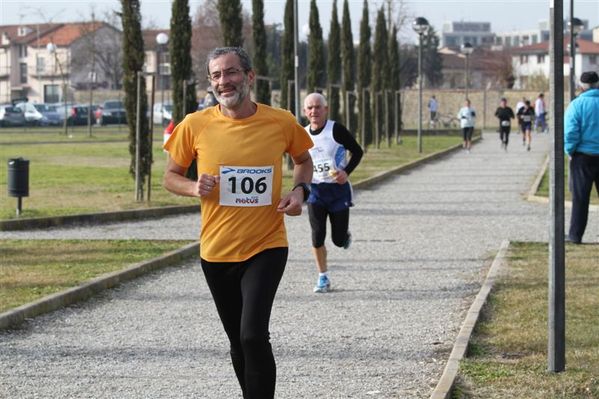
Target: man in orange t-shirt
[(239, 146)]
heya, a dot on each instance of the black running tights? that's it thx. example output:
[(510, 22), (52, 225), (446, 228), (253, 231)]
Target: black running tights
[(318, 222), (243, 293)]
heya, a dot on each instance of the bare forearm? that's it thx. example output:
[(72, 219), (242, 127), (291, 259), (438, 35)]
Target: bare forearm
[(302, 172), (179, 185)]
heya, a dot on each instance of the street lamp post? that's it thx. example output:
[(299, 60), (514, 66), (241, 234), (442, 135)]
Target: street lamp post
[(575, 26), (296, 61), (51, 47), (467, 49), (161, 40), (420, 26)]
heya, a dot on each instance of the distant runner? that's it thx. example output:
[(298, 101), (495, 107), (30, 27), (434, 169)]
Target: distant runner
[(467, 117), (526, 115), (505, 115)]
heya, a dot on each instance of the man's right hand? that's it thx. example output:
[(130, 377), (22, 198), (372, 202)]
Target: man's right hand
[(206, 184)]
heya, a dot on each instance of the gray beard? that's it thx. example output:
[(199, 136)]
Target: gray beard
[(237, 99)]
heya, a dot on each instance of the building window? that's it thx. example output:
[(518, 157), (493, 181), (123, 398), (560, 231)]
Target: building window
[(508, 41), (593, 59), (23, 72), (540, 58), (22, 50), (51, 94), (535, 39), (524, 59), (40, 64)]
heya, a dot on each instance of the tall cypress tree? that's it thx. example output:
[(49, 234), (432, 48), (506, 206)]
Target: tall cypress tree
[(432, 62), (181, 62), (334, 64), (231, 22), (316, 65), (260, 58), (287, 58), (394, 82), (133, 62), (364, 75), (349, 65), (380, 73)]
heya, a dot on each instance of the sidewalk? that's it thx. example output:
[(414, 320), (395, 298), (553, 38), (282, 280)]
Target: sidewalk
[(421, 242)]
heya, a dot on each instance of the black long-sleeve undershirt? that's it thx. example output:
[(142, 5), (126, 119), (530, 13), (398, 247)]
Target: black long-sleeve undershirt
[(344, 137)]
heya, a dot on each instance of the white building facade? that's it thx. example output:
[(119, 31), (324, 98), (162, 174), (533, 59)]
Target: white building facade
[(532, 61)]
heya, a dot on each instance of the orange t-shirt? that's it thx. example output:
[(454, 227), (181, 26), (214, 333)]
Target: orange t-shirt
[(239, 217)]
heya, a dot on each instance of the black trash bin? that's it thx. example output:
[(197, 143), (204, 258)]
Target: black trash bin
[(18, 177), (18, 180)]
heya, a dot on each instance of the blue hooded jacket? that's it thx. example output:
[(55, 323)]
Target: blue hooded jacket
[(582, 124)]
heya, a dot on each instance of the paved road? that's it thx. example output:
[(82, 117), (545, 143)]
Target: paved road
[(422, 242)]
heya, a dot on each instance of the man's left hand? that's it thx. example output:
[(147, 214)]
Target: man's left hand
[(341, 177), (291, 204)]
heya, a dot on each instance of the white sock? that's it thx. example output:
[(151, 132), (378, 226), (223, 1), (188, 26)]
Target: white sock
[(325, 274)]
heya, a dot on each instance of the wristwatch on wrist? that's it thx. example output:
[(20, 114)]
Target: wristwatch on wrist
[(304, 187)]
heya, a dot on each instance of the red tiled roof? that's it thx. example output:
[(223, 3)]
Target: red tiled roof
[(61, 34), (12, 31), (584, 47), (66, 34)]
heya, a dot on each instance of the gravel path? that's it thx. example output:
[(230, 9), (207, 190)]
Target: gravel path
[(422, 242)]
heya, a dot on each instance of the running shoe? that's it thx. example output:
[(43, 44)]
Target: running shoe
[(322, 285), (528, 148), (348, 241)]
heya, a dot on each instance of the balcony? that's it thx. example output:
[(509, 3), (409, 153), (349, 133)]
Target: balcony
[(45, 73)]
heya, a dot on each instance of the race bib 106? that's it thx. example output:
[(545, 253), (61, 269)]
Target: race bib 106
[(246, 185)]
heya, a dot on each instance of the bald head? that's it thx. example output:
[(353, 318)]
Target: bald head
[(316, 110)]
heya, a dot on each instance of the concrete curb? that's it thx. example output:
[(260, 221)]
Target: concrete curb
[(444, 387), (95, 218), (47, 304), (118, 216), (532, 193)]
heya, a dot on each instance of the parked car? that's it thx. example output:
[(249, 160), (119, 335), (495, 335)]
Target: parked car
[(112, 111), (32, 115), (163, 114), (51, 117), (77, 114), (11, 116)]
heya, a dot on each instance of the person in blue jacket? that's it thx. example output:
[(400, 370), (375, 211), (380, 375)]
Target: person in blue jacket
[(581, 143)]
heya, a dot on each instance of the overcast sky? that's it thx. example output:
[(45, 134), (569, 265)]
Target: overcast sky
[(504, 15)]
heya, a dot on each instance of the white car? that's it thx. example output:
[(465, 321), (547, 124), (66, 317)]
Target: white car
[(162, 114), (32, 115)]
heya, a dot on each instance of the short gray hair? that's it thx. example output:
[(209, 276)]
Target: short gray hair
[(321, 98), (244, 58), (588, 86)]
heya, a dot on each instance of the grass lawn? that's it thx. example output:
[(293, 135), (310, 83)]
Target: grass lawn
[(31, 269), (72, 178), (17, 135), (543, 190), (508, 352)]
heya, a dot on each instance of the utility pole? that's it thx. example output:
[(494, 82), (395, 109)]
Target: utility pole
[(556, 352)]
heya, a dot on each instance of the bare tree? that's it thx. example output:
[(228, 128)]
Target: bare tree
[(207, 34), (398, 14), (109, 52)]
